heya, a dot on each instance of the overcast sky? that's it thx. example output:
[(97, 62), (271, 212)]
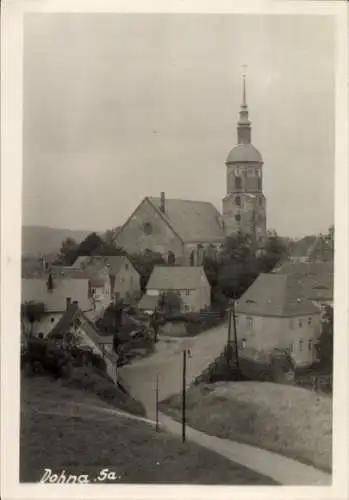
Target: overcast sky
[(118, 107)]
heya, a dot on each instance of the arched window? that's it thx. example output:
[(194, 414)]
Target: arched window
[(192, 258), (238, 201), (171, 258), (238, 183)]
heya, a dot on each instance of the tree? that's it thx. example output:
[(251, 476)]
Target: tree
[(274, 250), (170, 303), (67, 252), (237, 266), (324, 346), (33, 312), (144, 263)]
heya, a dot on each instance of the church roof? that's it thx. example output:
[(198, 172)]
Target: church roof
[(193, 221), (244, 153)]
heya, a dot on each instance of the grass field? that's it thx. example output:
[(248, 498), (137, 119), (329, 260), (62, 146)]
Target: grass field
[(289, 420), (58, 434)]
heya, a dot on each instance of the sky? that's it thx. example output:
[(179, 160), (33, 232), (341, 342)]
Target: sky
[(122, 106)]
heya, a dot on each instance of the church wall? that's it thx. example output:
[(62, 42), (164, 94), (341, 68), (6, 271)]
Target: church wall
[(147, 230)]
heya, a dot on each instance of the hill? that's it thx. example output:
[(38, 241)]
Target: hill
[(47, 240), (87, 437)]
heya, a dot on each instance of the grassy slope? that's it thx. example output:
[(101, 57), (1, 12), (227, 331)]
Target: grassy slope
[(82, 441), (288, 420)]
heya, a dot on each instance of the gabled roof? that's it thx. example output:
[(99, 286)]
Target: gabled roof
[(276, 294), (316, 278), (96, 277), (193, 221), (35, 289), (313, 248), (177, 278), (305, 268), (111, 264)]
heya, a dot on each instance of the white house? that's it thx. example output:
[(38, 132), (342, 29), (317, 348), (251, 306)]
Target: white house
[(55, 300), (274, 313), (125, 280), (86, 335), (189, 282)]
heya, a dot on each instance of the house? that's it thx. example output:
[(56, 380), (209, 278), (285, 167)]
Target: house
[(125, 280), (38, 290), (74, 321), (148, 303), (312, 249), (274, 314), (99, 283), (190, 283), (316, 279)]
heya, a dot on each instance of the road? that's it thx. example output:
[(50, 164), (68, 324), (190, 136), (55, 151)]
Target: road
[(140, 376)]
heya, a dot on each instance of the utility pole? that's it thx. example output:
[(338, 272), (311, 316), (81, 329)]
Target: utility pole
[(237, 362), (184, 376), (229, 337), (157, 402)]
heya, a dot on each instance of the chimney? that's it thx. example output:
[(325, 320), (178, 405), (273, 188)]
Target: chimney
[(162, 202), (50, 282), (68, 301)]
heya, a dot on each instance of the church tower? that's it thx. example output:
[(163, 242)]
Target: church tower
[(244, 206)]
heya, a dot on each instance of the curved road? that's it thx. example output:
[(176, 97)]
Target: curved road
[(140, 376)]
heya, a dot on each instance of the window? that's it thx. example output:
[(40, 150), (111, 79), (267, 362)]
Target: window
[(290, 348), (291, 324), (310, 345), (259, 183), (301, 345), (238, 200), (260, 200), (187, 291), (310, 321), (249, 322), (238, 183), (238, 217), (300, 323), (126, 266), (52, 320)]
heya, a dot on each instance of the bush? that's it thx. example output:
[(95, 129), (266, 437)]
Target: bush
[(84, 378)]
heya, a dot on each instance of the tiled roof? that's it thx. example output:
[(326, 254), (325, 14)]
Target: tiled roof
[(177, 278), (65, 321), (321, 250), (313, 248), (305, 268), (276, 294), (96, 277), (55, 301), (148, 302), (112, 263), (193, 221), (316, 278)]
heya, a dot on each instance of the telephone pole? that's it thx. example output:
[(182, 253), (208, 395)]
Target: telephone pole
[(237, 362), (157, 402), (184, 376)]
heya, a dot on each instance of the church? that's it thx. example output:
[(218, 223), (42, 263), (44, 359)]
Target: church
[(183, 231)]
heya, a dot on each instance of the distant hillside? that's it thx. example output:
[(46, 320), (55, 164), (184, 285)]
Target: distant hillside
[(47, 240)]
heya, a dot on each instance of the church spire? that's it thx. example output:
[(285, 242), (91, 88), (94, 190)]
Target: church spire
[(244, 125)]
